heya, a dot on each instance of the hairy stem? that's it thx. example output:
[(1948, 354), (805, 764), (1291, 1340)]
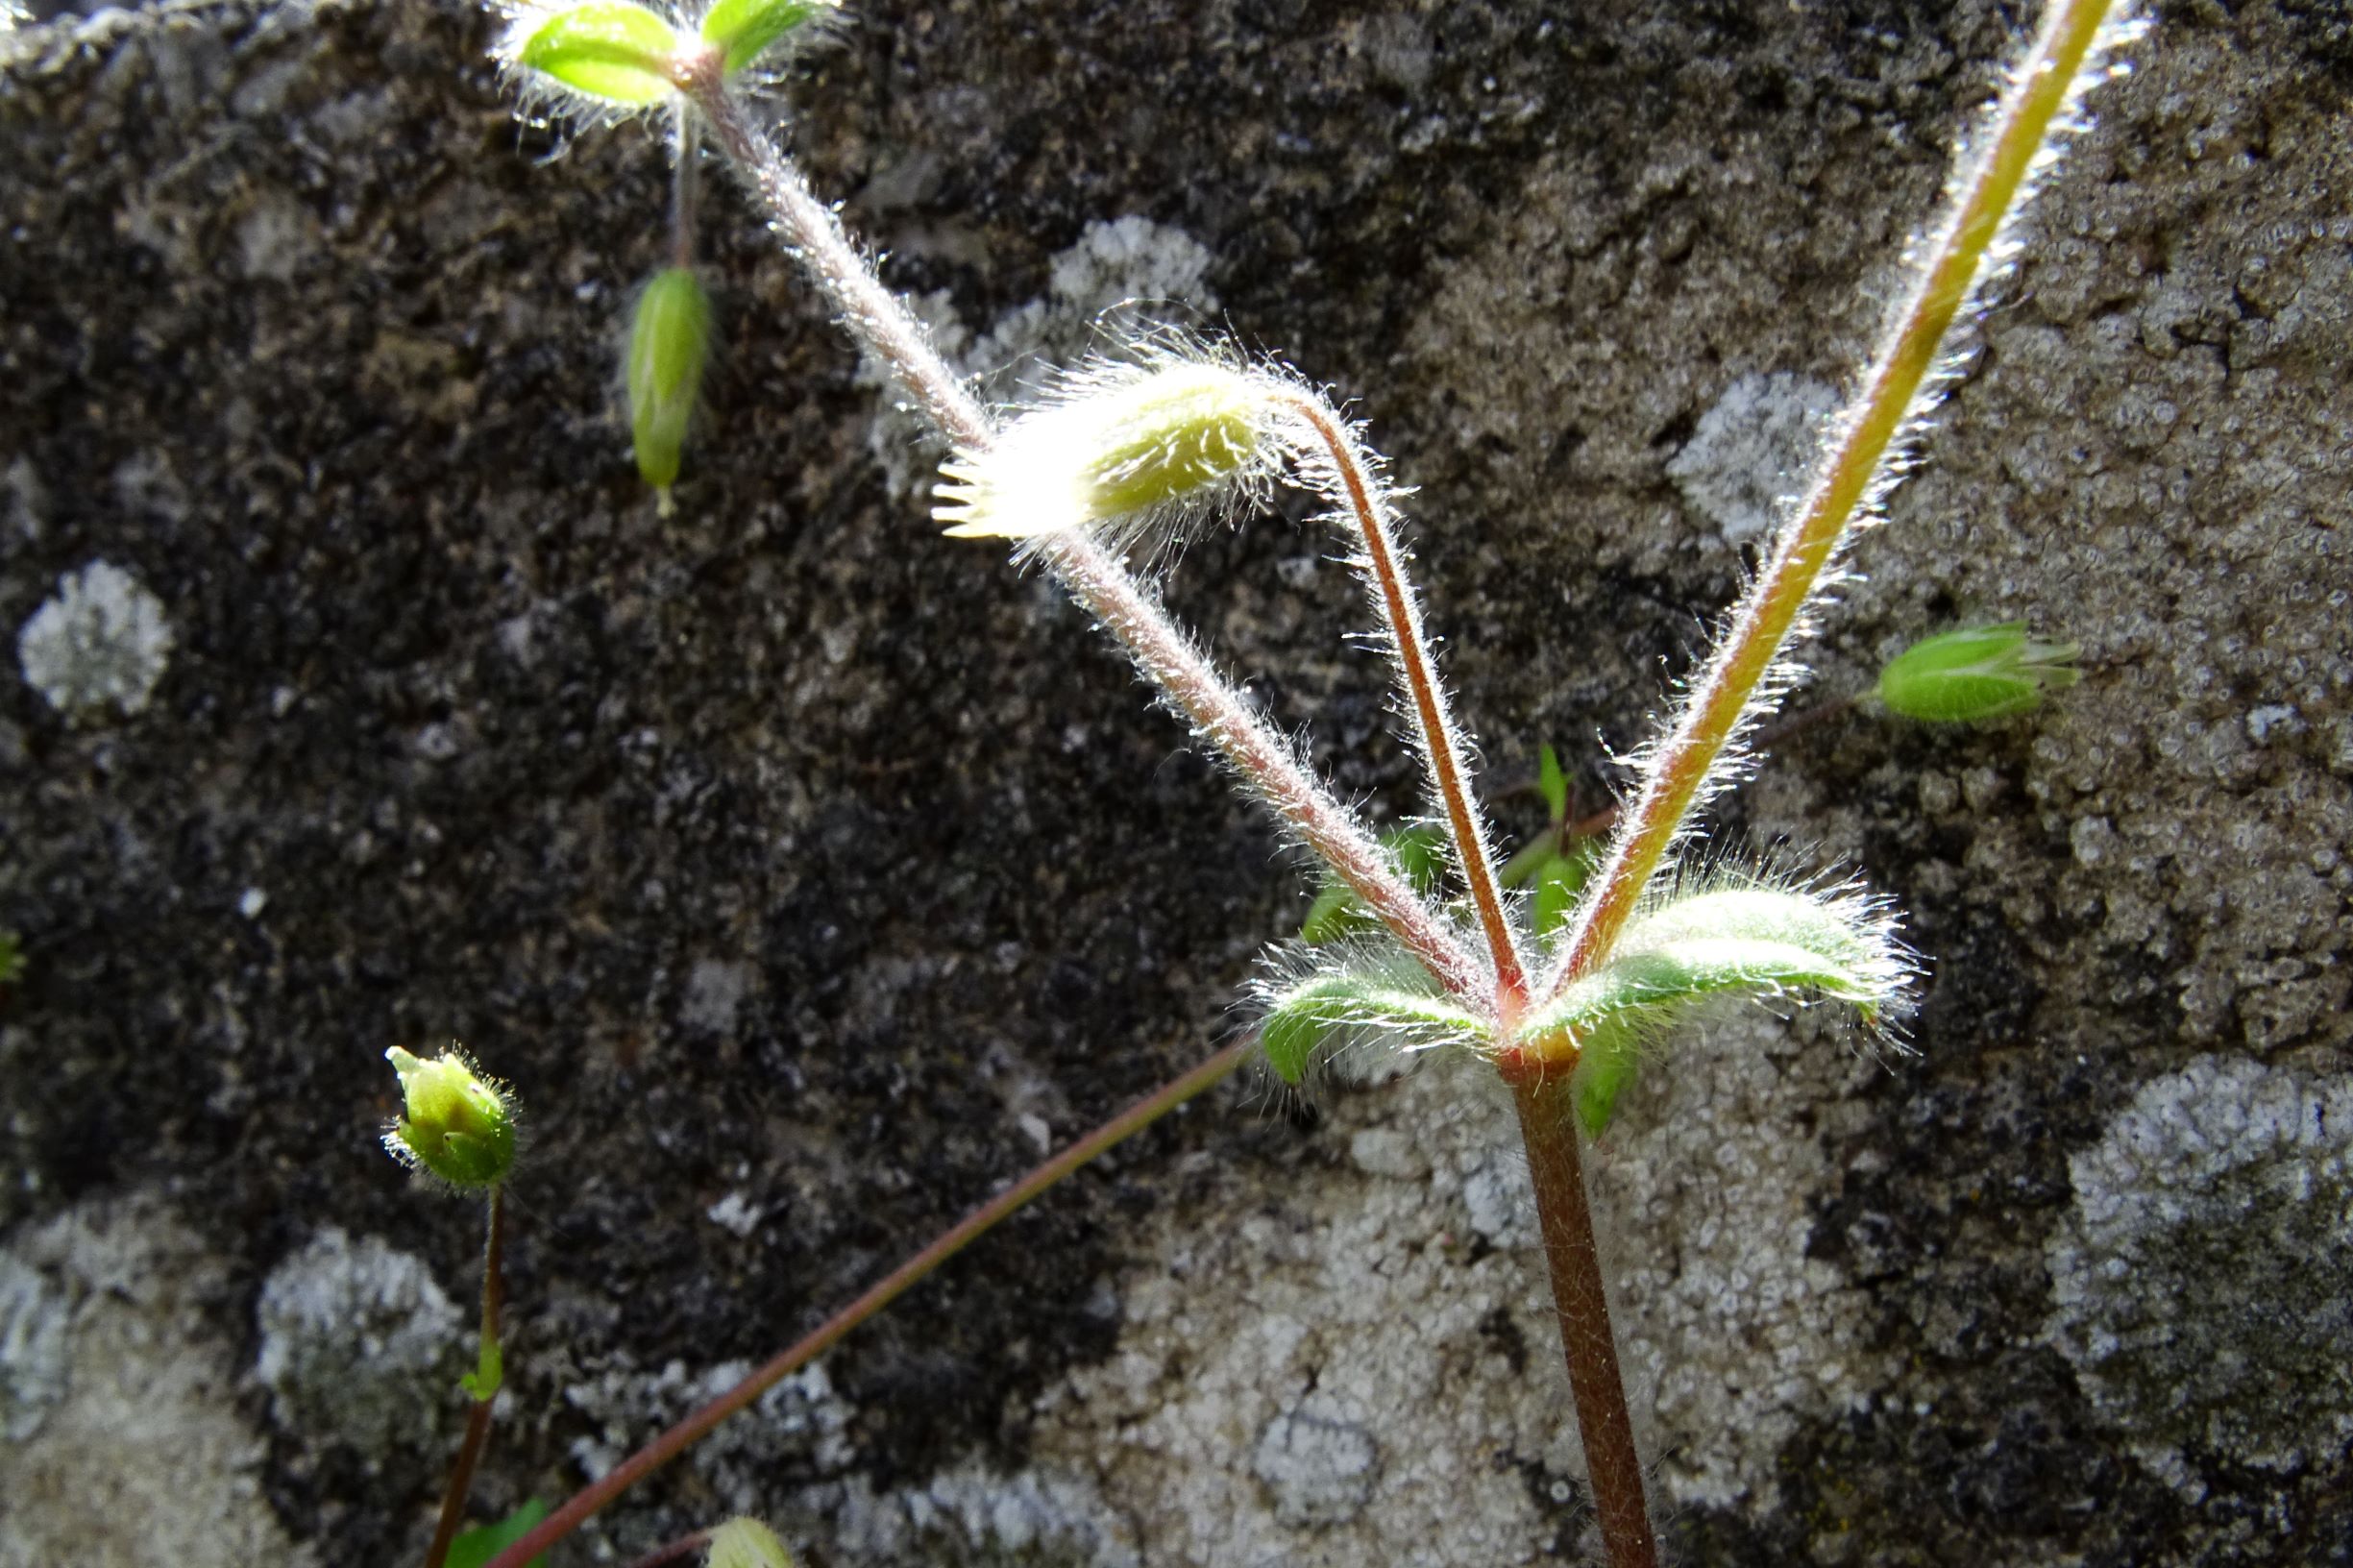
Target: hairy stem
[(584, 1505), (1366, 503), (876, 319), (1994, 183), (1612, 1465), (477, 1416)]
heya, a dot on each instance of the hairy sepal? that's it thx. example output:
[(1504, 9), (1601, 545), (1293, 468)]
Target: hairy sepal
[(1376, 998), (1765, 942), (745, 30)]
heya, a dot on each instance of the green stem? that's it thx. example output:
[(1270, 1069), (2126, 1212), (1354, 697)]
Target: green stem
[(1987, 192), (489, 1358), (585, 1503)]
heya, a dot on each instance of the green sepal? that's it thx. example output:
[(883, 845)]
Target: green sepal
[(1976, 674), (475, 1547), (746, 29), (1753, 941), (482, 1384), (669, 340), (1301, 1020), (1419, 854), (745, 1542), (610, 50)]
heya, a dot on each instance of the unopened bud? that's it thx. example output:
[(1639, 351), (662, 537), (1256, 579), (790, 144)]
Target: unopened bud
[(744, 29), (670, 339), (746, 1543), (1125, 439), (1976, 672), (618, 53), (453, 1123)]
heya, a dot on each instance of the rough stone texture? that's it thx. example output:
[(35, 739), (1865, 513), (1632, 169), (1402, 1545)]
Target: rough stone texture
[(798, 867)]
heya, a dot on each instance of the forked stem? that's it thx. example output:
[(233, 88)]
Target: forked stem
[(876, 319), (1990, 187), (584, 1505), (1365, 503)]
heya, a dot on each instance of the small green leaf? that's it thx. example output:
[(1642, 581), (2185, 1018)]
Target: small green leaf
[(474, 1547), (12, 959), (1977, 672), (746, 28), (1302, 1018), (612, 51), (1419, 854), (1557, 882), (482, 1385), (1753, 941), (1552, 784), (670, 339)]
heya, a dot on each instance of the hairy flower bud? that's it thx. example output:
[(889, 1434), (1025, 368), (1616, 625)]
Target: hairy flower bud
[(669, 339), (610, 52), (1976, 672), (744, 1542), (454, 1123), (1120, 440)]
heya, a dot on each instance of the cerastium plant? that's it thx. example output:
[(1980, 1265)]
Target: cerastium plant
[(1128, 452)]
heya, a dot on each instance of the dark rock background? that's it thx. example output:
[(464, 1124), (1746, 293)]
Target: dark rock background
[(785, 856)]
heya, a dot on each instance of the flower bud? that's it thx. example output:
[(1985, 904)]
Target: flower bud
[(670, 337), (614, 53), (1976, 672), (454, 1123), (744, 29), (746, 1543), (1125, 439)]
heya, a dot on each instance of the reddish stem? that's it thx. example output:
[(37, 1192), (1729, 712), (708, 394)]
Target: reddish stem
[(477, 1418), (1612, 1462), (586, 1503), (1433, 724)]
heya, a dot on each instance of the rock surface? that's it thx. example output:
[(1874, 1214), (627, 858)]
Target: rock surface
[(805, 873)]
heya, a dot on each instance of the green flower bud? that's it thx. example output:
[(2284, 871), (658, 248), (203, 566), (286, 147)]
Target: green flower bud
[(1124, 439), (616, 53), (744, 29), (454, 1123), (746, 1543), (670, 337), (1976, 672)]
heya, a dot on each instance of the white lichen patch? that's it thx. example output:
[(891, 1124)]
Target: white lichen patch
[(140, 1456), (2201, 1284), (358, 1346), (97, 645), (1753, 449)]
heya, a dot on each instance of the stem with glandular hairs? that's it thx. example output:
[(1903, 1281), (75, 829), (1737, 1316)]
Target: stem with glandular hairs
[(877, 320), (478, 1414), (1958, 257)]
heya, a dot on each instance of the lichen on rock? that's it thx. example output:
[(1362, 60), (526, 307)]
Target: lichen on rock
[(2203, 1285)]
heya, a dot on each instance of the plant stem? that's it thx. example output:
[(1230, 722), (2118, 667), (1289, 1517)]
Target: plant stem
[(1613, 1464), (1991, 185), (1366, 502), (685, 1546), (477, 1415), (685, 181), (589, 1500), (876, 319)]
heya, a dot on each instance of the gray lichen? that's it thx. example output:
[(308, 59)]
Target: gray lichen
[(2203, 1285), (358, 1346), (97, 645)]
